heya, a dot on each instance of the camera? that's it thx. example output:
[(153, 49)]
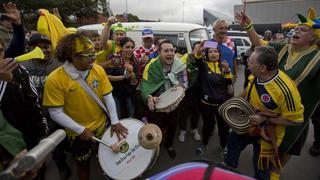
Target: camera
[(116, 59)]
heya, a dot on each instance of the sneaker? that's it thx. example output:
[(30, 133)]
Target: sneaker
[(196, 134), (171, 152), (182, 136), (64, 170), (314, 150), (224, 151), (201, 149)]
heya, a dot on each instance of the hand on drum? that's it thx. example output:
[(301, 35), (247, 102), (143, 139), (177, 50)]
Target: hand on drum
[(120, 130), (86, 134), (152, 101)]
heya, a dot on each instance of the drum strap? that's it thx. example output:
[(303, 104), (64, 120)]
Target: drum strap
[(250, 89), (92, 94)]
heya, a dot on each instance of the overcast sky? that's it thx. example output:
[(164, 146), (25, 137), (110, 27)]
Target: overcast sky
[(171, 10)]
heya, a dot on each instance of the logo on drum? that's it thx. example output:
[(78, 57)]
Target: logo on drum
[(95, 83), (124, 147), (265, 98)]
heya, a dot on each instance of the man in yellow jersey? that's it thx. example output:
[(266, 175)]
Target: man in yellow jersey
[(277, 101), (72, 107), (110, 46)]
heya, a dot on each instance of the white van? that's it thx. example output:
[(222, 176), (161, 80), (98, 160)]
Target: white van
[(182, 35)]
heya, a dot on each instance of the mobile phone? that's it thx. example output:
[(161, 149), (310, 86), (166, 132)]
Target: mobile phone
[(210, 44)]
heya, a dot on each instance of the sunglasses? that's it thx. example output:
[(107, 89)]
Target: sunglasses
[(91, 55)]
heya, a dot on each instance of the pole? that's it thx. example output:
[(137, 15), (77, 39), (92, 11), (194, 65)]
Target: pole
[(182, 11), (127, 7)]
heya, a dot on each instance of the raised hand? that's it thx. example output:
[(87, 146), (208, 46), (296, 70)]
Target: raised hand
[(111, 20), (243, 19), (12, 13)]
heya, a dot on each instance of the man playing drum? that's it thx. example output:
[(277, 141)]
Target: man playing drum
[(72, 107), (160, 74), (277, 101)]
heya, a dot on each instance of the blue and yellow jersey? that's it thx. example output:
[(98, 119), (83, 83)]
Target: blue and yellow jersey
[(279, 95)]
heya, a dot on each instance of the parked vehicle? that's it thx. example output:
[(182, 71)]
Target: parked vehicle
[(182, 35)]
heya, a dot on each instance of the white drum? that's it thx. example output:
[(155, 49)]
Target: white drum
[(132, 160), (170, 99)]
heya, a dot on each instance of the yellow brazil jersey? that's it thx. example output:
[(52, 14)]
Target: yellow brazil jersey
[(215, 67), (62, 91), (279, 95), (104, 54)]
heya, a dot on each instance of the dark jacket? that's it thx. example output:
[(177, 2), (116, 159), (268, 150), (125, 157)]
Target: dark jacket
[(213, 86), (20, 105)]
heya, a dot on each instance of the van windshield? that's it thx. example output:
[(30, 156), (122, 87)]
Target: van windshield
[(177, 40), (198, 35)]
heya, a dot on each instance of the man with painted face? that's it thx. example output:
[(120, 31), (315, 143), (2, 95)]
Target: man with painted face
[(110, 47), (160, 74), (72, 107), (300, 60)]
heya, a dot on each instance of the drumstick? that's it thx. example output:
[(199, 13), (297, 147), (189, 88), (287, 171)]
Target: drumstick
[(98, 140), (115, 148)]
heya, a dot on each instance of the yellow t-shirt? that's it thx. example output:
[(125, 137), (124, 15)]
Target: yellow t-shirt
[(279, 95), (62, 91), (104, 54)]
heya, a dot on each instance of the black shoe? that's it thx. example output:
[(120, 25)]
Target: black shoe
[(64, 170), (172, 153), (314, 150)]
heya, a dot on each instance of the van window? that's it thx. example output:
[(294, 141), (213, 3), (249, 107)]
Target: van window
[(177, 40), (238, 41), (246, 43), (237, 34), (198, 35), (181, 44)]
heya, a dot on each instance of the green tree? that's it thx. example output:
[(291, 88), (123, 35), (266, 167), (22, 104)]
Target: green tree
[(69, 10)]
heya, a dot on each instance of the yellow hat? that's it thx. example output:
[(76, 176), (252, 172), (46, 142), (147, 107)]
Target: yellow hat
[(83, 44), (311, 21), (118, 27)]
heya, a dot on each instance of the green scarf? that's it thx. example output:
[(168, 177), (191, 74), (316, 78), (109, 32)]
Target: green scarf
[(10, 138), (153, 77)]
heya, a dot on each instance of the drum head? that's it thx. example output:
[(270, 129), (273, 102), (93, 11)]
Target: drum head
[(169, 97), (132, 160)]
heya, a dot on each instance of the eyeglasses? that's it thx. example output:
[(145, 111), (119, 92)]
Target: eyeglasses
[(91, 55)]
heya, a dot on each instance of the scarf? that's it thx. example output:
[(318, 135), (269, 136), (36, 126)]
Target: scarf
[(154, 78)]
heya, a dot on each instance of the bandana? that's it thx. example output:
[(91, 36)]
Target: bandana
[(83, 44)]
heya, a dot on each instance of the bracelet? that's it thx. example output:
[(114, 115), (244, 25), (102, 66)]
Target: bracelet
[(248, 27)]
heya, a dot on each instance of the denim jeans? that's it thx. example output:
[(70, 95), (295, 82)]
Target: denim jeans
[(237, 143), (124, 104)]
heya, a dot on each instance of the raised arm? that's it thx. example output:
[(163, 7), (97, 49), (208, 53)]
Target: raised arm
[(246, 23), (106, 32)]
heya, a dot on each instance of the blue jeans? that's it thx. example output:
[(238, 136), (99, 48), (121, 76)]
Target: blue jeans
[(124, 104), (236, 144)]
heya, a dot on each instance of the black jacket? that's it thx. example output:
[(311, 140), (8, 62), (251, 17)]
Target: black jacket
[(213, 86), (20, 104)]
